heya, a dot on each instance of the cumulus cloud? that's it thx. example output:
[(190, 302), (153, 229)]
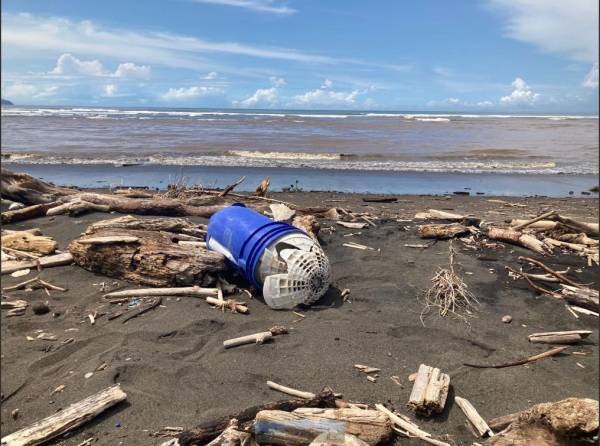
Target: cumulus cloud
[(563, 27), (485, 104), (262, 97), (129, 69), (522, 94), (211, 76), (67, 64), (185, 94), (28, 91), (453, 100), (110, 90), (591, 79), (277, 81), (325, 96), (270, 6)]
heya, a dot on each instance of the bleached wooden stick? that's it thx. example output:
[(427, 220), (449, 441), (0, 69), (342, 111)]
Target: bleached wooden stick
[(584, 311), (559, 337), (239, 307), (108, 240), (257, 338), (67, 419), (11, 266), (290, 391), (410, 427), (473, 417), (182, 291)]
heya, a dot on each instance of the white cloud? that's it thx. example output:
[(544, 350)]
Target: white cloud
[(277, 81), (324, 96), (485, 104), (211, 76), (271, 6), (185, 94), (262, 97), (521, 95), (129, 69), (327, 84), (453, 100), (110, 90), (28, 91), (591, 79), (68, 64), (563, 27)]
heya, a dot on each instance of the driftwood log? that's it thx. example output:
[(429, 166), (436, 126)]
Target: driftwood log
[(37, 210), (559, 337), (28, 190), (560, 423), (171, 224), (65, 420), (207, 431), (155, 259), (308, 223), (441, 231), (429, 391), (528, 241), (303, 425), (26, 241), (43, 262)]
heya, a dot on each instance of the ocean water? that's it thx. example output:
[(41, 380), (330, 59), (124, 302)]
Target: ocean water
[(304, 145)]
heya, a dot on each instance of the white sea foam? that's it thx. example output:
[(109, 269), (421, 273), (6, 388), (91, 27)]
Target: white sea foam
[(285, 155), (433, 119)]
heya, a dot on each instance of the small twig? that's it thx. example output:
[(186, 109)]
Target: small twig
[(529, 359), (550, 271), (143, 310)]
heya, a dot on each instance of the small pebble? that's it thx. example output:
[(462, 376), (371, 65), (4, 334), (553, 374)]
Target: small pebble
[(21, 272), (88, 375), (40, 308), (507, 319)]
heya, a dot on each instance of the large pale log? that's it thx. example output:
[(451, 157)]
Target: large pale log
[(166, 224), (37, 210), (155, 259), (434, 214), (207, 431), (67, 419), (303, 425), (518, 238), (25, 241), (28, 190), (11, 266), (429, 391), (441, 231), (77, 207), (588, 228), (541, 225), (125, 205)]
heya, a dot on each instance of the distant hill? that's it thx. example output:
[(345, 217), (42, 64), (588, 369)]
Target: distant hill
[(6, 102)]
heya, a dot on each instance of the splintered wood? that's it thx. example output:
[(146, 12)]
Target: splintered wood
[(473, 416), (429, 391)]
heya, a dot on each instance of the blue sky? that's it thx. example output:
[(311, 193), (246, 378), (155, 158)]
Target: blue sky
[(479, 55)]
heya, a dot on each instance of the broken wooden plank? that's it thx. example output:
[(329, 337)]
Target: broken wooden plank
[(429, 391), (473, 416), (67, 419), (11, 266), (559, 337)]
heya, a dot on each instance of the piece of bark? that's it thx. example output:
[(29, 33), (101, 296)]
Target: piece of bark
[(441, 231), (67, 419), (34, 211), (263, 187), (29, 190), (149, 207), (473, 416), (170, 224), (303, 425), (334, 439), (429, 391), (257, 338), (154, 260), (559, 337), (25, 241), (309, 224), (11, 266), (281, 212), (509, 235), (560, 423), (207, 431)]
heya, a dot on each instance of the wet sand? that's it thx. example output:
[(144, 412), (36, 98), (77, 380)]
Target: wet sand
[(175, 371)]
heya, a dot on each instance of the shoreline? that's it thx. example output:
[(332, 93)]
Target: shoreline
[(321, 180)]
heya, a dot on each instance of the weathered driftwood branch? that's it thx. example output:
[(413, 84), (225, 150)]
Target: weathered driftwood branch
[(232, 186), (433, 214), (441, 231), (25, 241), (534, 220), (155, 259), (529, 359), (409, 427), (177, 226), (230, 304), (303, 425), (429, 391), (263, 187), (14, 307), (43, 262), (549, 270), (257, 338), (559, 337), (76, 207), (207, 431), (588, 228), (541, 225), (473, 416), (34, 211), (290, 391), (518, 238), (67, 419), (181, 291)]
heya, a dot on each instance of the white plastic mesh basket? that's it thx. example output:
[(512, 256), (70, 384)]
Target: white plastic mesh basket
[(294, 270)]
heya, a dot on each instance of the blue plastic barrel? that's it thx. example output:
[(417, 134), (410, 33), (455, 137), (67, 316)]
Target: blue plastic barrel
[(242, 235)]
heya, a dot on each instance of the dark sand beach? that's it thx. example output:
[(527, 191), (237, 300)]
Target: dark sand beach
[(175, 371)]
